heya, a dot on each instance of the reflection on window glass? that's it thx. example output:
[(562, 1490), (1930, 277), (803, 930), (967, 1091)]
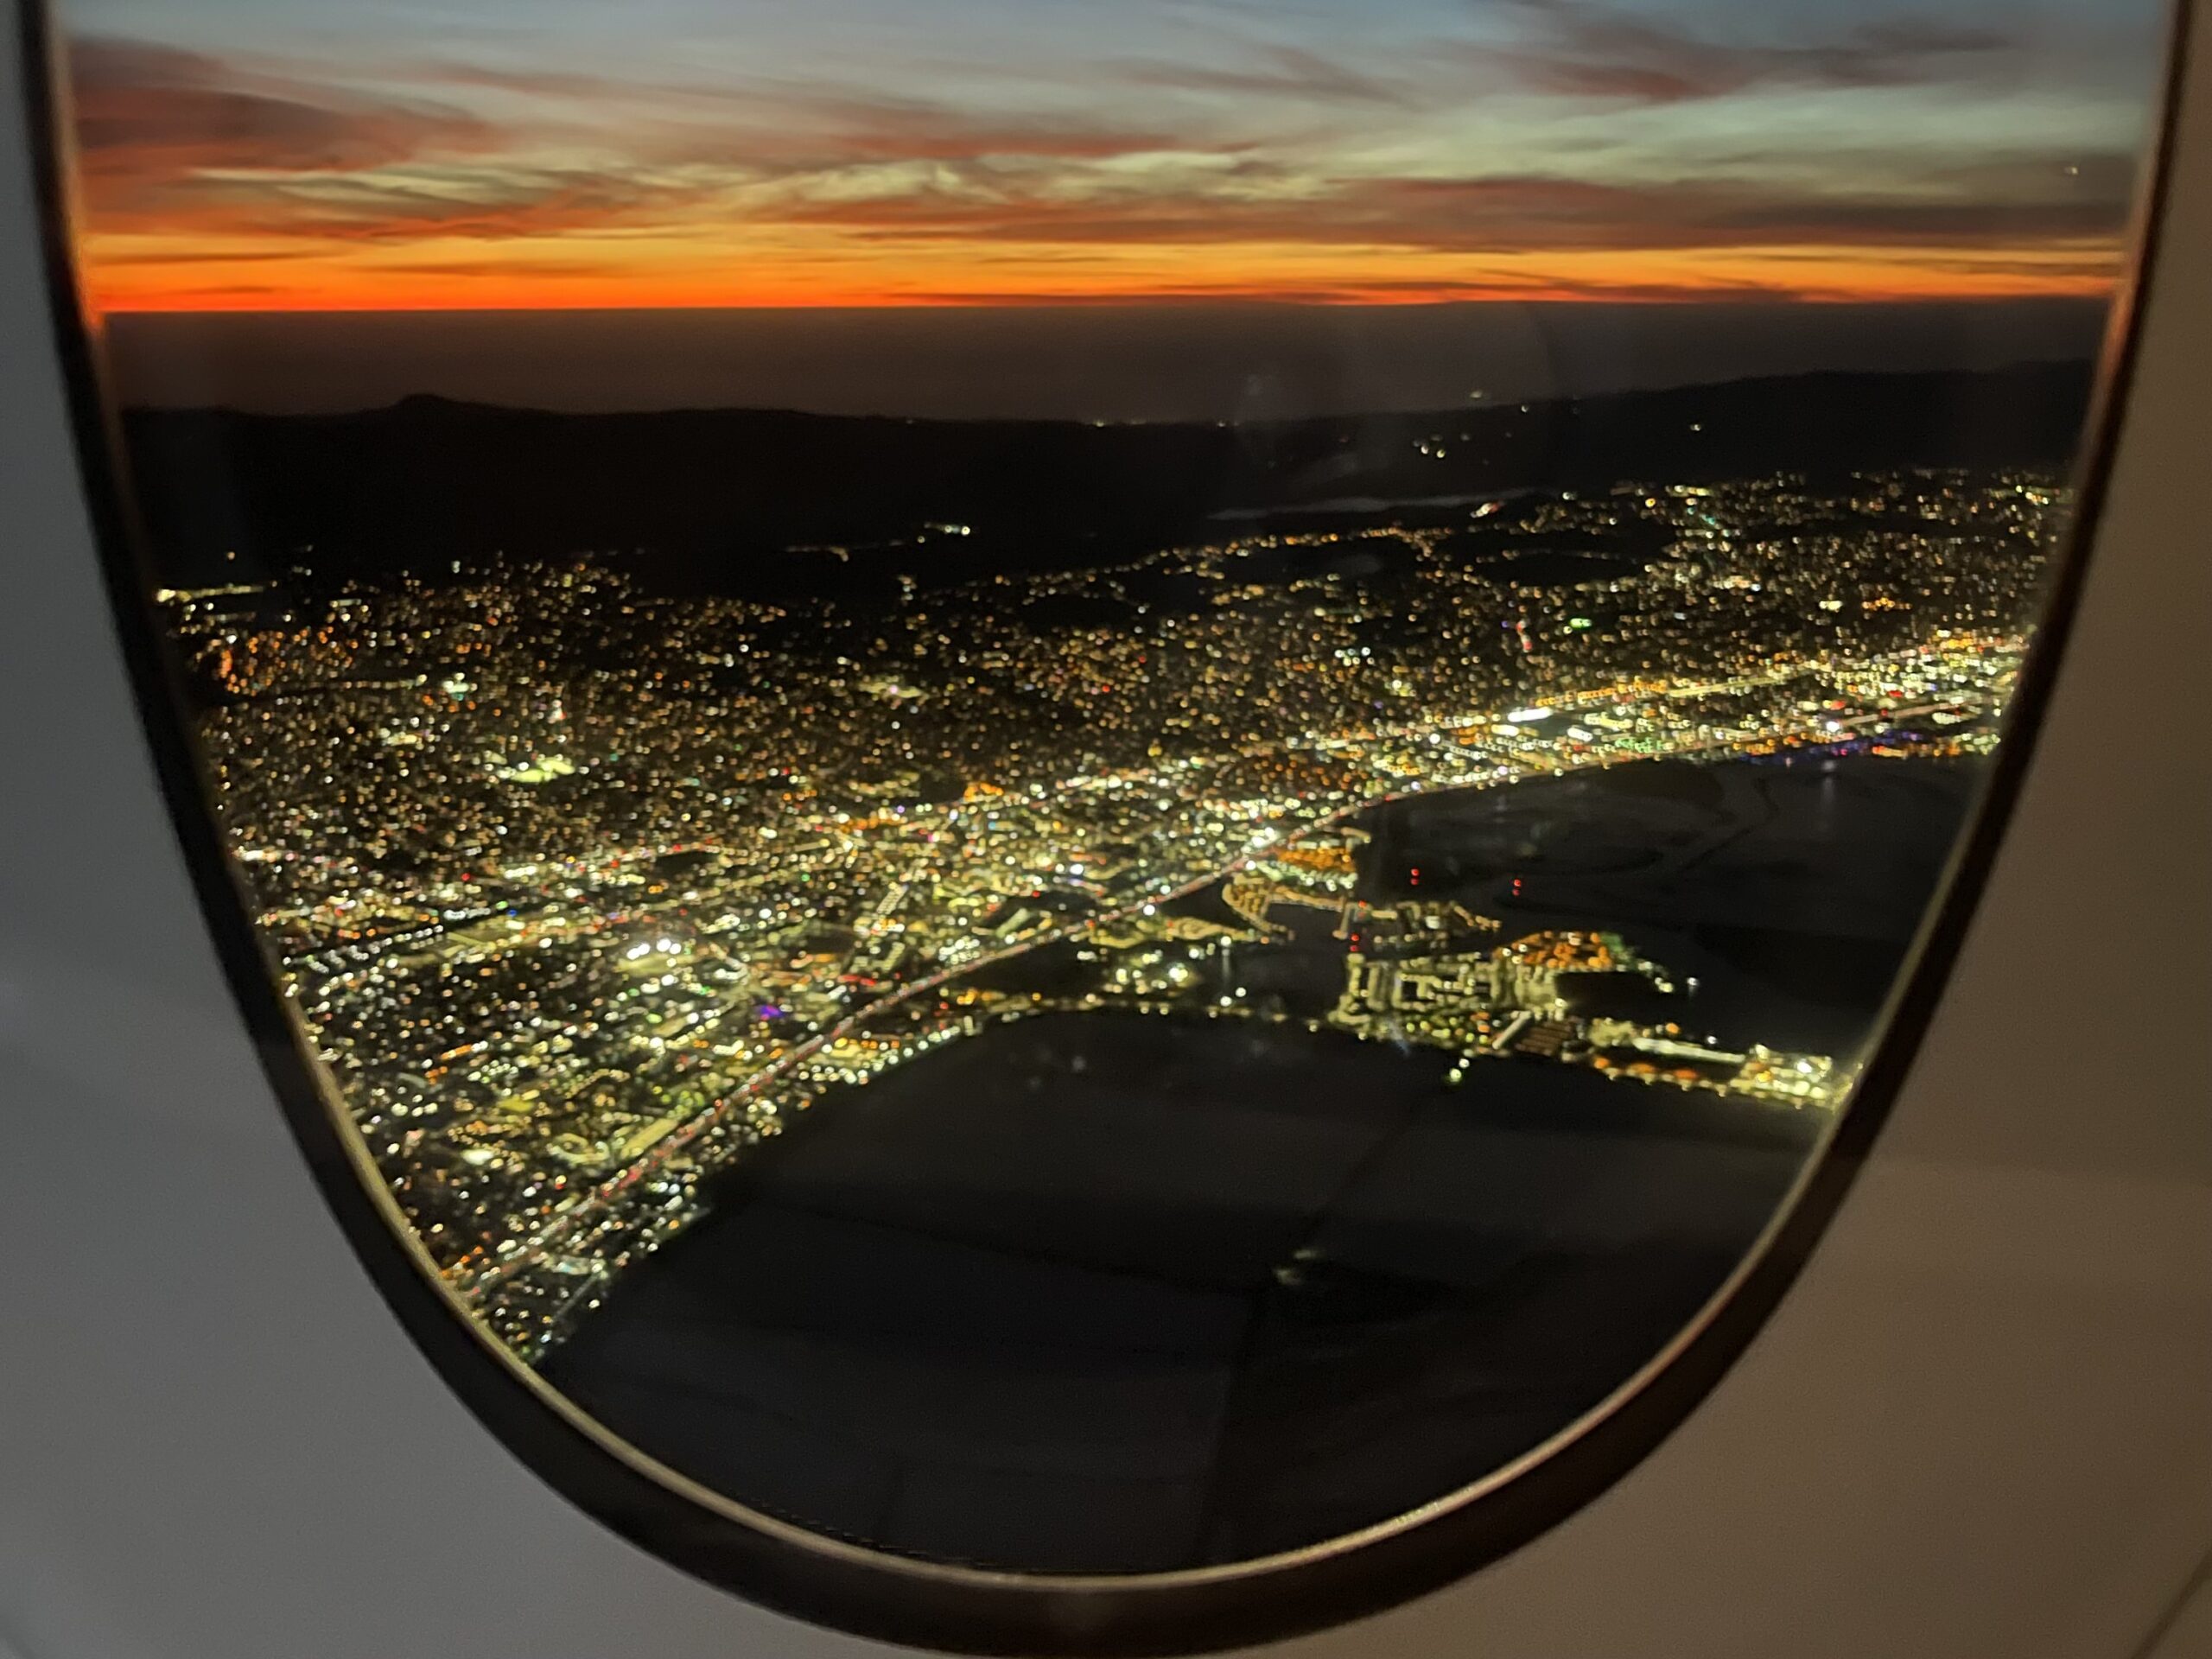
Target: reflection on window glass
[(1100, 787)]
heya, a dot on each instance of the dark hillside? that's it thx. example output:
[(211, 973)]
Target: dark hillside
[(725, 492)]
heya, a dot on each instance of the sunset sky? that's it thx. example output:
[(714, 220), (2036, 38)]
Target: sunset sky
[(330, 155)]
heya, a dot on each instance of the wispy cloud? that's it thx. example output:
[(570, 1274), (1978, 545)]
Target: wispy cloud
[(148, 117), (786, 125), (1584, 48), (1257, 166), (1280, 71), (1503, 212)]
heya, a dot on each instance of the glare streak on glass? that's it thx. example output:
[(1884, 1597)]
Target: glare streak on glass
[(1098, 796)]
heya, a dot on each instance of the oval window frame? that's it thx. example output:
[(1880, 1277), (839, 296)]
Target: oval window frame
[(875, 1594)]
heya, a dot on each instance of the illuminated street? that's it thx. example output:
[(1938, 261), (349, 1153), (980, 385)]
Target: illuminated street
[(577, 924)]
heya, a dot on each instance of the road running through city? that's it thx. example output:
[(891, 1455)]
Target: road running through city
[(1829, 726)]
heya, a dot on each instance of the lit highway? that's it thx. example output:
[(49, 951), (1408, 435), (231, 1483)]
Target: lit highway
[(575, 928)]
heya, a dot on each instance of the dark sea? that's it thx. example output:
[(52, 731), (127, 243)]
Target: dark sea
[(1119, 1292)]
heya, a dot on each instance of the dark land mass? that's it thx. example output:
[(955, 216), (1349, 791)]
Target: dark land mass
[(730, 500)]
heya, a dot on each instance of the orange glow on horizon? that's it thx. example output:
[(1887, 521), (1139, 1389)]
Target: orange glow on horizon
[(207, 282), (1482, 164)]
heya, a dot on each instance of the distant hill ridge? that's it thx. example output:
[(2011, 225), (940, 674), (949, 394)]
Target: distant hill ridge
[(428, 481)]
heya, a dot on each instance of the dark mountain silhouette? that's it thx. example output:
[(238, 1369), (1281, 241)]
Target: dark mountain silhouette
[(722, 497)]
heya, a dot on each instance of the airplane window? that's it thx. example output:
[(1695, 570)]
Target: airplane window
[(1091, 800)]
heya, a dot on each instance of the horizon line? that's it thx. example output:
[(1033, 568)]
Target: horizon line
[(1722, 299), (2083, 360)]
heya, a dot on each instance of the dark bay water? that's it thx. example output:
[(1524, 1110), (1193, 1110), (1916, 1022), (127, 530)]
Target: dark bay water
[(1791, 890), (1113, 1292)]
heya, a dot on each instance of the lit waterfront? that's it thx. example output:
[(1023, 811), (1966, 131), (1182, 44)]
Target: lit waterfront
[(575, 926)]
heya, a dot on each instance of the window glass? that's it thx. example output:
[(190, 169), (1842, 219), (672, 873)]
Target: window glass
[(1097, 788)]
